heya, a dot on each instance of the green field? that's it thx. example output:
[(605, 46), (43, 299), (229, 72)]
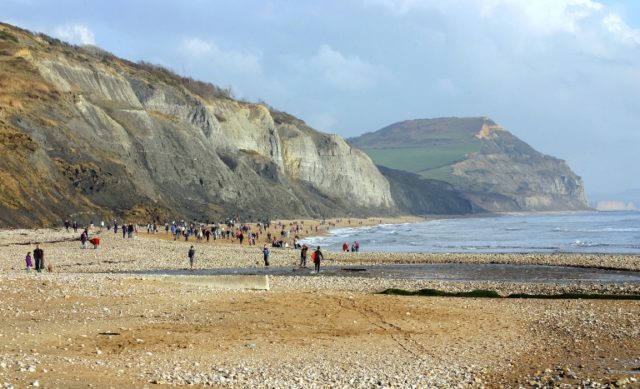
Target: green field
[(422, 159)]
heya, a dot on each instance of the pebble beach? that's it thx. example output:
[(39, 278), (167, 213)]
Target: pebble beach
[(92, 323)]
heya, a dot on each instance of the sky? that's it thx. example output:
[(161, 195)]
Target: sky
[(562, 75)]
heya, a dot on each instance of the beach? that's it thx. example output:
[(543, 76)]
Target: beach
[(95, 322)]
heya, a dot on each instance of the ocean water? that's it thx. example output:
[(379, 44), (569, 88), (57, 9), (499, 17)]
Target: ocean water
[(576, 232)]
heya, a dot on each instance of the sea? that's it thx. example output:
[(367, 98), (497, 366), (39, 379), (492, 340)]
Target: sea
[(570, 232)]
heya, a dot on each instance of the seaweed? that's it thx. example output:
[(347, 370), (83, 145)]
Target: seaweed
[(441, 293), (481, 293), (575, 296)]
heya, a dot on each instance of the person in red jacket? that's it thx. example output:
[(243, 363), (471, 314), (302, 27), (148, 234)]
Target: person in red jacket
[(345, 247)]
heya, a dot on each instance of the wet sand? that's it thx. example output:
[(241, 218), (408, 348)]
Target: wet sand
[(89, 323)]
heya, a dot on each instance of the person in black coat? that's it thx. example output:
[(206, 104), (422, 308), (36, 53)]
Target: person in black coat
[(192, 256), (317, 257), (38, 255)]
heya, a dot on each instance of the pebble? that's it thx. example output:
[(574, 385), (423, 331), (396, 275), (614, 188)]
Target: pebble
[(86, 273)]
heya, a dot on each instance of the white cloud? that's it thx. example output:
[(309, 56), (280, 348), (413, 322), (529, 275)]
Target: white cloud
[(541, 16), (339, 70), (592, 24), (75, 33), (196, 46), (615, 25), (544, 16), (233, 61)]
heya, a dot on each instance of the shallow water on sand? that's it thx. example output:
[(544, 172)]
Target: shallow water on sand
[(437, 272)]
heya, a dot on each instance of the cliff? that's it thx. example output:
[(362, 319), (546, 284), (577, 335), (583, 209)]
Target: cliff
[(483, 161), (87, 135)]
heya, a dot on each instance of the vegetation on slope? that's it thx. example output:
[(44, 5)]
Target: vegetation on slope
[(422, 146)]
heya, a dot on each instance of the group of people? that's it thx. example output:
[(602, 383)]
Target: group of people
[(127, 229), (316, 256), (216, 231), (355, 247), (38, 256)]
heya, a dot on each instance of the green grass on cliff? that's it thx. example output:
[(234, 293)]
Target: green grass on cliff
[(425, 146), (424, 158)]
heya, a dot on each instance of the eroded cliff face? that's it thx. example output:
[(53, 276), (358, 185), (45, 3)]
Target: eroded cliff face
[(509, 175), (308, 158), (113, 138)]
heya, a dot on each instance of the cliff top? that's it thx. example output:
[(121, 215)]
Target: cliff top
[(423, 132)]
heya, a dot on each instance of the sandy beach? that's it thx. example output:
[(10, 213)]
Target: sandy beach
[(91, 323)]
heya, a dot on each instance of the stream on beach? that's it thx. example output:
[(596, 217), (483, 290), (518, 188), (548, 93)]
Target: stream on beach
[(433, 271)]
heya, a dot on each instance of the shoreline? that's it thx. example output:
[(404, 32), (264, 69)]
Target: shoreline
[(151, 251)]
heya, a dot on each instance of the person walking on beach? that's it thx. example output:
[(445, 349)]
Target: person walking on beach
[(303, 255), (38, 255), (83, 239), (316, 260), (29, 263), (265, 254), (192, 255)]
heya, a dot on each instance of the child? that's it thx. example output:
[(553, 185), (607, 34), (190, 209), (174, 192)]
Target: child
[(28, 260), (265, 253)]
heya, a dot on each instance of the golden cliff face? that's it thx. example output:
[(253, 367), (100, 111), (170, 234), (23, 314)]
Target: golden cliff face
[(105, 136)]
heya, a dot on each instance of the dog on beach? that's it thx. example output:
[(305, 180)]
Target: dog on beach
[(50, 266)]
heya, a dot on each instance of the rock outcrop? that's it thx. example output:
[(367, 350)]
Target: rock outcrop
[(421, 196), (87, 135), (486, 163)]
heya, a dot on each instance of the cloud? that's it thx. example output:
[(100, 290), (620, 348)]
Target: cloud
[(544, 16), (590, 26), (540, 17), (342, 71), (233, 61), (615, 25), (75, 33), (196, 46)]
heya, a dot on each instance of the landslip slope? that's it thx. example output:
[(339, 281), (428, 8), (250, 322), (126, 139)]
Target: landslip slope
[(87, 135)]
